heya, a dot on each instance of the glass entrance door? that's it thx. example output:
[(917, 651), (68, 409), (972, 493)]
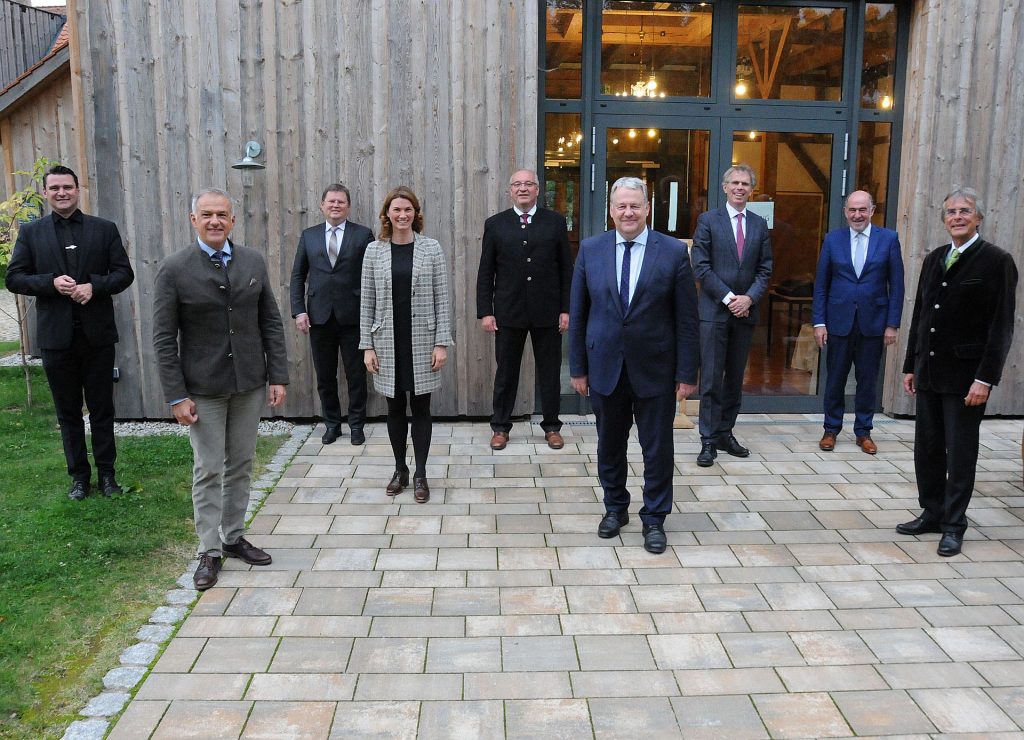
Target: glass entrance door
[(798, 191), (799, 195)]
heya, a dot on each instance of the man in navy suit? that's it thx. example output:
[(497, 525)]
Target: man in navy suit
[(325, 286), (960, 336), (73, 263), (634, 347), (732, 258), (858, 300)]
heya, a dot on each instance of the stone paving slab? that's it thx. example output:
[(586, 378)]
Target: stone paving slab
[(786, 605)]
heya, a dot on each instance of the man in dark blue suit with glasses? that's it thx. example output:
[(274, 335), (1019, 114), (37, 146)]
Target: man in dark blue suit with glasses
[(858, 301)]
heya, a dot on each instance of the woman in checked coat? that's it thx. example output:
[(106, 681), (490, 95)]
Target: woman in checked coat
[(405, 330)]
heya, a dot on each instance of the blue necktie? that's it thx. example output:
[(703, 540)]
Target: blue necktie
[(217, 258), (624, 282)]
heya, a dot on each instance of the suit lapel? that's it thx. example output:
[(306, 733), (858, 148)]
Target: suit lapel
[(725, 223), (651, 252)]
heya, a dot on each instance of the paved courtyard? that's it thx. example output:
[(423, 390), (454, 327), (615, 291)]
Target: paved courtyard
[(786, 605)]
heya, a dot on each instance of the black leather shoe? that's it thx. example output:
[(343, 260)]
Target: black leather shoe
[(727, 443), (331, 434), (611, 524), (248, 552), (707, 455), (358, 437), (950, 544), (109, 486), (420, 490), (398, 481), (79, 490), (206, 574), (654, 538), (918, 526)]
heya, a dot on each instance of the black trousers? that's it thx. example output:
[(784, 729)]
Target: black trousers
[(547, 352), (83, 370), (326, 341), (615, 414), (945, 457), (724, 347)]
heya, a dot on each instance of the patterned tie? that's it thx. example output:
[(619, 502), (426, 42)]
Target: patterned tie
[(860, 254), (218, 258), (740, 238), (952, 258), (624, 282), (525, 218), (332, 246)]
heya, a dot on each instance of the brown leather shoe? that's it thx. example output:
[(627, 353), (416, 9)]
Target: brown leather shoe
[(206, 574), (867, 444), (398, 482), (247, 552), (499, 440), (828, 442), (554, 440), (420, 491)]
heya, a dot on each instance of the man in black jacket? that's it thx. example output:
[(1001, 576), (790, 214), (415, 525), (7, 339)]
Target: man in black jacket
[(73, 263), (959, 338), (325, 304), (523, 288)]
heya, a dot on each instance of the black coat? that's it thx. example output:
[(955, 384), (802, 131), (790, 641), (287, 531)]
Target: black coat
[(38, 258), (319, 290), (963, 319), (525, 274)]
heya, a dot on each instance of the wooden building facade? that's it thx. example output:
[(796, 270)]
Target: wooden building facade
[(449, 97)]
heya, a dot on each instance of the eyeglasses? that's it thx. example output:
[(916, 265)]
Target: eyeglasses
[(522, 184), (950, 212)]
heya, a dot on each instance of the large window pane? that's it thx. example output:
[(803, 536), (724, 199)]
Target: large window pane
[(673, 163), (563, 68), (789, 53), (873, 143), (879, 70), (562, 142), (656, 49)]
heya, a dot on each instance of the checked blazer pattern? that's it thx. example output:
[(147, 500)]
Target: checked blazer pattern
[(431, 312)]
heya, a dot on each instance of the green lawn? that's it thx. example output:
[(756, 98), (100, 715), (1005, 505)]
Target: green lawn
[(8, 348), (78, 578)]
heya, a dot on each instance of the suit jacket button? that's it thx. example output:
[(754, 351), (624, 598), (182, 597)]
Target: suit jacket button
[(230, 355), (931, 354), (222, 287), (932, 330), (529, 279), (936, 305), (529, 259)]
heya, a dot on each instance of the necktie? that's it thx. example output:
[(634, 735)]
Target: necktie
[(860, 253), (740, 238), (525, 218), (952, 258), (217, 258), (332, 246), (624, 282)]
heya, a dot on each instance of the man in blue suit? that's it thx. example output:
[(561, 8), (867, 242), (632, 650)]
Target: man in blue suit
[(858, 300), (634, 348), (732, 258)]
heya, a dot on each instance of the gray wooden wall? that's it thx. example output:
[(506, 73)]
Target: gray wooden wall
[(439, 95), (964, 110)]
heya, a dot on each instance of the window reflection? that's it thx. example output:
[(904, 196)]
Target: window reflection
[(879, 69), (563, 58), (656, 49), (562, 142), (789, 53), (873, 143)]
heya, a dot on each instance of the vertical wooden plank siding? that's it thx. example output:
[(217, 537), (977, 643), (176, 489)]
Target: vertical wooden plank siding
[(439, 95), (962, 127)]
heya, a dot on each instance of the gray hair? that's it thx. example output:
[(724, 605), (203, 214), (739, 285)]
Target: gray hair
[(208, 191), (533, 175), (846, 200), (967, 194), (740, 168), (629, 183)]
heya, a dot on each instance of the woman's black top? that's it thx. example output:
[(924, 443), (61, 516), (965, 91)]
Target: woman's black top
[(401, 304)]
